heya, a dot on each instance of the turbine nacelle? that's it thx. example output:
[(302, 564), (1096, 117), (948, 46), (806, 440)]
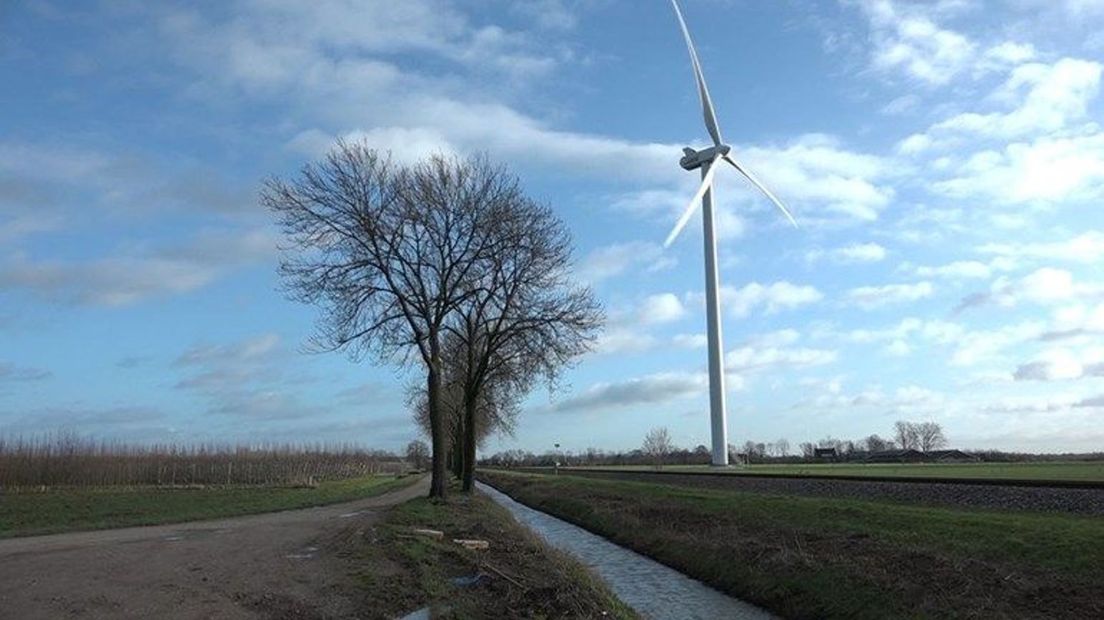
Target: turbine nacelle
[(692, 160)]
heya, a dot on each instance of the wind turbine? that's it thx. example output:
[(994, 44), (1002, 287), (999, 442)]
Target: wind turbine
[(707, 160)]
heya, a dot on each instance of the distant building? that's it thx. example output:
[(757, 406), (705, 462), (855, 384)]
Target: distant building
[(897, 456), (952, 456), (916, 456), (825, 454)]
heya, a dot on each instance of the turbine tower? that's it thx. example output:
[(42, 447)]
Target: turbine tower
[(706, 160)]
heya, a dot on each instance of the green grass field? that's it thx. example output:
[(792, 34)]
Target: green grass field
[(1077, 471), (29, 513), (811, 557)]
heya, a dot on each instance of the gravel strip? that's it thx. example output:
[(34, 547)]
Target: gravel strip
[(1045, 499)]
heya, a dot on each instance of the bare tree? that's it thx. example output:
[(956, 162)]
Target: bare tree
[(657, 445), (782, 447), (417, 453), (929, 436), (387, 252), (874, 443), (495, 409), (808, 449), (525, 319), (905, 434)]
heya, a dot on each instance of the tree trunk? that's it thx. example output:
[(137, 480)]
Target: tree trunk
[(469, 443), (438, 486)]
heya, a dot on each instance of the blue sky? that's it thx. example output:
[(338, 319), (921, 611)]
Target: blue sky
[(945, 159)]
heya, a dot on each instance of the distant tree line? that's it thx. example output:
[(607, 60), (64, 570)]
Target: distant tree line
[(658, 449), (69, 460)]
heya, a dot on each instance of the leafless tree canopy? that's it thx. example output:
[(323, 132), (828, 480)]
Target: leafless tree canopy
[(930, 436), (400, 257), (657, 445), (387, 252), (905, 435), (525, 320)]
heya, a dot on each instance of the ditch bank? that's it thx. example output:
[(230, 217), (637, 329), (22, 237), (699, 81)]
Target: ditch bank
[(813, 557), (650, 588)]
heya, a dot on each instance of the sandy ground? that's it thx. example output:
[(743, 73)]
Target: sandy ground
[(275, 565)]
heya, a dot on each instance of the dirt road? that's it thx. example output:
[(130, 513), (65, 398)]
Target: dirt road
[(275, 565)]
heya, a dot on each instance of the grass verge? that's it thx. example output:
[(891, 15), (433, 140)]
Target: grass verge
[(525, 578), (807, 557), (29, 513)]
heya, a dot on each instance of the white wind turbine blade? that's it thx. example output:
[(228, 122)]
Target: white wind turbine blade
[(703, 90), (763, 188), (691, 208)]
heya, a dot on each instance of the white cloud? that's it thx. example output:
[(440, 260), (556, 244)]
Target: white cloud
[(1040, 147), (651, 389), (690, 341), (956, 270), (815, 169), (772, 350), (854, 253), (782, 295), (911, 42), (661, 308), (125, 280), (1044, 286), (620, 340), (614, 260), (1049, 98), (974, 347), (870, 297), (1063, 364), (1088, 247)]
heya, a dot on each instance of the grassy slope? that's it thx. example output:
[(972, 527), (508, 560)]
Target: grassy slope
[(32, 513), (816, 557), (1069, 470), (404, 572)]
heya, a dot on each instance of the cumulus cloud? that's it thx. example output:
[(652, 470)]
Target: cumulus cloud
[(652, 389), (1075, 321), (1049, 97), (619, 340), (1044, 286), (1062, 365), (772, 351), (1039, 147), (911, 42), (962, 269), (120, 421), (247, 378), (774, 297), (129, 279), (1087, 247), (616, 259), (853, 253), (661, 308), (690, 341), (1044, 170), (870, 297)]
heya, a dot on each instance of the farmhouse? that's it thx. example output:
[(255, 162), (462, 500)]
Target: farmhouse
[(916, 456), (952, 456), (896, 456)]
